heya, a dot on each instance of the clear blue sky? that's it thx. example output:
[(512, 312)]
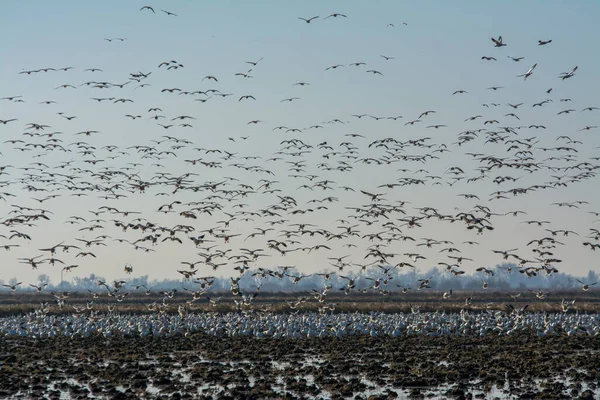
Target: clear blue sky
[(436, 53)]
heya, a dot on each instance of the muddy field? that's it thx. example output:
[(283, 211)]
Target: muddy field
[(361, 367), (194, 364)]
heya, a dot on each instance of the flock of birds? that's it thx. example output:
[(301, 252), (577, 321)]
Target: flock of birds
[(266, 324), (69, 166)]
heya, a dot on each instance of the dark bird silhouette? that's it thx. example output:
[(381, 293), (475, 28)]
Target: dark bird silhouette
[(335, 15), (309, 19), (498, 42)]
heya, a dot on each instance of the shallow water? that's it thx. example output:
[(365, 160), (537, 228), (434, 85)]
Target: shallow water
[(246, 366), (279, 387)]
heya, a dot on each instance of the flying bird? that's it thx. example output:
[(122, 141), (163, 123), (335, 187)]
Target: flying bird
[(498, 42), (528, 73), (335, 15), (309, 19)]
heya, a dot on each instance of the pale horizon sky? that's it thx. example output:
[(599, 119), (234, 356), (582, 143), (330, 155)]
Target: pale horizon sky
[(435, 49)]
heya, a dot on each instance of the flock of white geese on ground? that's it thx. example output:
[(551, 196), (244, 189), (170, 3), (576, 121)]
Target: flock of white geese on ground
[(318, 195), (266, 324)]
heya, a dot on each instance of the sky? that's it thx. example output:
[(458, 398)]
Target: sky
[(435, 49)]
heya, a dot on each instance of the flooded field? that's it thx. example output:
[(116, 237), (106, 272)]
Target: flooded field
[(361, 366)]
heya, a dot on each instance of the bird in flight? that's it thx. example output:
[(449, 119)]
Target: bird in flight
[(335, 15), (586, 286), (309, 19), (498, 42), (148, 8), (13, 287), (567, 75), (254, 63), (528, 73)]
